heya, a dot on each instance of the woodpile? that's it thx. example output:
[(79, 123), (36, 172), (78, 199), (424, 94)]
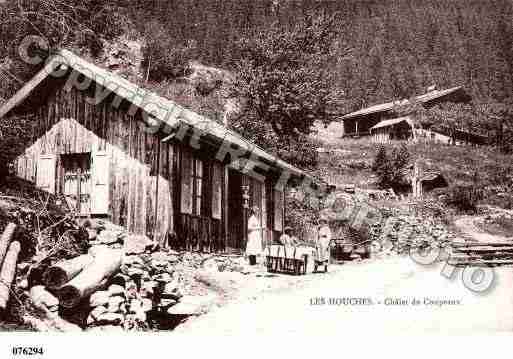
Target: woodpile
[(122, 282), (481, 254), (9, 252)]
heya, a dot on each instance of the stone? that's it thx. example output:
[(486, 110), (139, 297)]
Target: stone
[(171, 287), (105, 328), (131, 290), (160, 256), (109, 237), (191, 305), (135, 272), (92, 234), (147, 305), (164, 303), (98, 298), (114, 304), (116, 290), (158, 263), (120, 279), (137, 244), (43, 299), (148, 288), (110, 318), (23, 284), (133, 259), (173, 258), (164, 277), (135, 306), (96, 312), (23, 267)]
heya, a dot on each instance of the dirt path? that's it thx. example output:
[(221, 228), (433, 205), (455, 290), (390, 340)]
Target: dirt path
[(386, 290), (378, 283), (470, 230)]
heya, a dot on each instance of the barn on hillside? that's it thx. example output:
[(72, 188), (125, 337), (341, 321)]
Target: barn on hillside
[(359, 123), (115, 150)]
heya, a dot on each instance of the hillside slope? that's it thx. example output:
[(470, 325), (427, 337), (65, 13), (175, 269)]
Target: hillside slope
[(349, 161)]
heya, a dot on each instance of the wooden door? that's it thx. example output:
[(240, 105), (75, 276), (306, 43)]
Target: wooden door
[(77, 182), (235, 211), (46, 173)]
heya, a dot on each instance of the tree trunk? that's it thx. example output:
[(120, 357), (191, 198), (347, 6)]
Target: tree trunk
[(7, 273), (105, 264), (61, 273)]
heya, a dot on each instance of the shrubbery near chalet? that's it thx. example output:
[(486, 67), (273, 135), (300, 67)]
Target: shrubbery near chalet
[(392, 169), (465, 198)]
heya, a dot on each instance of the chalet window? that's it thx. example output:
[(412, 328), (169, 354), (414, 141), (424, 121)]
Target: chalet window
[(187, 182), (217, 184), (278, 210), (198, 186)]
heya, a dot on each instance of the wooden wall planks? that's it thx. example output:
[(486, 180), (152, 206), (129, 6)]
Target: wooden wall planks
[(144, 187)]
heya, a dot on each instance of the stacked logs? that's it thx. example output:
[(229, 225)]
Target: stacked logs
[(119, 291), (9, 252)]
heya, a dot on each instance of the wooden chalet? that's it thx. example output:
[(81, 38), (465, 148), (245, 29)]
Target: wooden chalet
[(359, 123), (407, 129), (159, 170)]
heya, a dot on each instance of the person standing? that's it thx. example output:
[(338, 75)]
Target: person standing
[(254, 245), (323, 241), (286, 238)]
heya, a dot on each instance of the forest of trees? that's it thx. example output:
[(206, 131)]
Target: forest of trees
[(399, 47), (380, 50)]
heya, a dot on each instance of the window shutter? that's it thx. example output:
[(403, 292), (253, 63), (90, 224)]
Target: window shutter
[(217, 183), (187, 184), (100, 190), (278, 211), (264, 206), (46, 171)]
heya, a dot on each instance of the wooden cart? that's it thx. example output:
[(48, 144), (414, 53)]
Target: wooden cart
[(287, 259)]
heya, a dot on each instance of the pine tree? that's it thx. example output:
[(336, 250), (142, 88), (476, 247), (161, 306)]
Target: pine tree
[(382, 168)]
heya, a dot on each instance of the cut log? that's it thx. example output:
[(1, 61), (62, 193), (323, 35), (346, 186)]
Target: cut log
[(481, 244), (93, 277), (61, 273), (42, 299), (5, 240), (7, 273)]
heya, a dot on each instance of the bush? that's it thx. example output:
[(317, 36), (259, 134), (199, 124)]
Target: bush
[(165, 58), (392, 170), (465, 197)]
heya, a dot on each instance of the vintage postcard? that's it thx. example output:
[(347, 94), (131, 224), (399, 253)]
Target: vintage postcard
[(258, 167)]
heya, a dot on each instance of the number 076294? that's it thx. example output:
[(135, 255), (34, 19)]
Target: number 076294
[(27, 351)]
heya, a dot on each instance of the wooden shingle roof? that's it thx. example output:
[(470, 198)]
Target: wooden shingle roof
[(165, 110)]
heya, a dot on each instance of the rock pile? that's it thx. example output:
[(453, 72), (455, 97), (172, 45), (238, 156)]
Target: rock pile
[(402, 233)]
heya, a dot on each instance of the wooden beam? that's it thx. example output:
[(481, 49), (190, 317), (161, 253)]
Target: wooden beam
[(27, 89)]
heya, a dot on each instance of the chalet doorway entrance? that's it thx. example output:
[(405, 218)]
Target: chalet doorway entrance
[(77, 182), (236, 231)]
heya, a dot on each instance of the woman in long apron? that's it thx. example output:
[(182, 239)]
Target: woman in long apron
[(323, 242), (254, 245)]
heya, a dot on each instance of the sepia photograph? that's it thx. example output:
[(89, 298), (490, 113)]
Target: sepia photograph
[(267, 167)]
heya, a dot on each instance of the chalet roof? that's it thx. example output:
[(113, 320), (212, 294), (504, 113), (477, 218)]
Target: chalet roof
[(427, 97), (431, 175), (393, 121), (163, 109)]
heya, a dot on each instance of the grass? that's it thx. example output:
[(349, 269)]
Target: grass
[(498, 226), (345, 159)]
